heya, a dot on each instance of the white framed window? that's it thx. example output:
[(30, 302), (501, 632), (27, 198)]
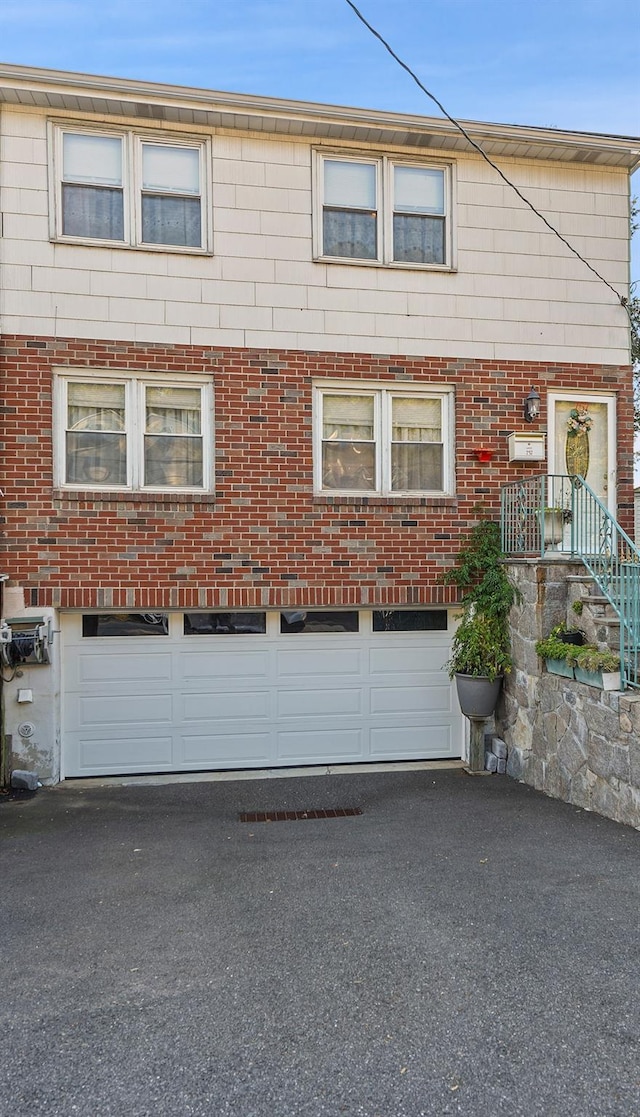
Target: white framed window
[(125, 188), (122, 431), (383, 210), (384, 440)]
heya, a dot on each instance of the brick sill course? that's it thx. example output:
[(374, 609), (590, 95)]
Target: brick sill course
[(448, 502), (93, 496)]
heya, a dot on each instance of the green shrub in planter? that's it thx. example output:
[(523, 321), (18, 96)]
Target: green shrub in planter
[(480, 646), (559, 656), (553, 647), (598, 667), (568, 635), (592, 659)]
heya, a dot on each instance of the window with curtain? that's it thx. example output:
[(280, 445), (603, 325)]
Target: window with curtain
[(386, 440), (382, 210), (173, 437), (348, 442), (350, 220), (418, 215), (416, 444), (171, 195), (126, 434), (96, 441), (129, 189), (92, 186)]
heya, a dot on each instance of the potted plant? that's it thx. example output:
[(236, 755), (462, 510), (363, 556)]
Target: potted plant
[(569, 635), (599, 667), (481, 646), (552, 521), (480, 658), (559, 656)]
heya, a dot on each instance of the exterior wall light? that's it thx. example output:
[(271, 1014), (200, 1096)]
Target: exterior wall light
[(532, 407)]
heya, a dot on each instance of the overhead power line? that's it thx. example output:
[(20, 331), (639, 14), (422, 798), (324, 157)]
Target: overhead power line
[(621, 298)]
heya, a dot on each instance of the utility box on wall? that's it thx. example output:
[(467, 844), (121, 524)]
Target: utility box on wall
[(25, 640), (524, 446)]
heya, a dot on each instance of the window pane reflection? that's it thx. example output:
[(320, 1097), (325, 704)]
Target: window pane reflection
[(222, 624), (299, 620)]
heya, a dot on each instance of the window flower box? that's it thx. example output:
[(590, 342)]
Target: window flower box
[(559, 667), (603, 680), (559, 650), (599, 667)]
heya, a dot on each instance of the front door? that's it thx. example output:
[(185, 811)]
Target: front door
[(582, 440)]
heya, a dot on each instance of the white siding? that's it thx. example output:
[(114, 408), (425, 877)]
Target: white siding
[(517, 293)]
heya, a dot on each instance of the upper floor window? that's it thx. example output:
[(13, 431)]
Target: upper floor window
[(383, 440), (116, 431), (128, 189), (383, 210)]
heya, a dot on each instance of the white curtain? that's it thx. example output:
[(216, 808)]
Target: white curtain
[(96, 449), (171, 212), (418, 215), (416, 445), (172, 455), (348, 449)]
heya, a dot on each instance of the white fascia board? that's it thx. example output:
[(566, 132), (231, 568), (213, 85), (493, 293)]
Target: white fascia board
[(23, 84)]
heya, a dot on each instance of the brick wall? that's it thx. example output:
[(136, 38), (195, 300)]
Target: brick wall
[(263, 539)]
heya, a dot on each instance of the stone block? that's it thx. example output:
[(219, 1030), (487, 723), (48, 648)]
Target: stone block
[(522, 732), (629, 806), (502, 767), (24, 781), (608, 760), (536, 771), (581, 789), (602, 719), (604, 799), (625, 723), (572, 752), (499, 748), (490, 762), (515, 764), (523, 688), (630, 707), (557, 782), (634, 761)]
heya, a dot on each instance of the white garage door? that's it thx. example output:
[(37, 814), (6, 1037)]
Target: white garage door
[(178, 692)]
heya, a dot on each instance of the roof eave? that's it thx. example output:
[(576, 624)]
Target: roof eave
[(61, 91)]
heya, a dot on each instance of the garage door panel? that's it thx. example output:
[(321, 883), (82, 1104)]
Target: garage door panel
[(137, 709), (311, 663), (398, 661), (224, 665), (412, 741), (241, 750), (122, 667), (233, 705), (305, 745), (410, 699), (129, 753), (325, 702)]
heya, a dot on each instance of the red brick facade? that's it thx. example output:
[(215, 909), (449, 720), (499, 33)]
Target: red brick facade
[(263, 539)]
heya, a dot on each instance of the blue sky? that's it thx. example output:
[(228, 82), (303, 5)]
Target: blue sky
[(556, 63)]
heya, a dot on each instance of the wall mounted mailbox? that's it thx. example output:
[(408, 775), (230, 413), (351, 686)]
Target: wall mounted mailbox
[(524, 446)]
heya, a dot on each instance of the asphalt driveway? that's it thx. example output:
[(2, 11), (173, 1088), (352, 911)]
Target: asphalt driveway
[(464, 946)]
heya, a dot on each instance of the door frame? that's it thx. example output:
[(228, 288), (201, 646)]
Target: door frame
[(609, 399)]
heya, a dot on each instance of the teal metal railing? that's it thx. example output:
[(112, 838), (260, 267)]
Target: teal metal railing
[(559, 514)]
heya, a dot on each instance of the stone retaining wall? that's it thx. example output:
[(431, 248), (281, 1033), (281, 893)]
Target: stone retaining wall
[(572, 741)]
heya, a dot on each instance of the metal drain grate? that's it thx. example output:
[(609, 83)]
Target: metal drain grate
[(297, 816)]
